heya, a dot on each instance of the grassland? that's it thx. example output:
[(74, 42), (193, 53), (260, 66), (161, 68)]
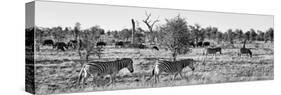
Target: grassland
[(57, 71)]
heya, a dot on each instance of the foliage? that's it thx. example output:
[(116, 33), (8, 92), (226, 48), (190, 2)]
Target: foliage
[(175, 36), (88, 41)]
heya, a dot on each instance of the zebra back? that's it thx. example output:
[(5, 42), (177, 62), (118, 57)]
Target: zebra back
[(177, 66), (246, 51), (112, 66), (213, 50)]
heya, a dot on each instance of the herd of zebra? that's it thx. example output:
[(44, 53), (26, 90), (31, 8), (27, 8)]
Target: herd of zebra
[(74, 44), (96, 69)]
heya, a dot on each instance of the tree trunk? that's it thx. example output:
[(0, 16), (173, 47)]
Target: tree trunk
[(174, 56), (87, 57), (133, 30)]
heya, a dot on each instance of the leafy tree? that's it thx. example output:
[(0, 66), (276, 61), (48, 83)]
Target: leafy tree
[(219, 36), (58, 33), (76, 30), (253, 35), (260, 36), (88, 42), (247, 35), (139, 36), (269, 34), (125, 34), (239, 34), (208, 32), (230, 36), (214, 32), (175, 35), (197, 32)]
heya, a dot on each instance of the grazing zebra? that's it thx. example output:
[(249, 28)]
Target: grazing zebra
[(173, 68), (60, 46), (206, 44), (48, 42), (199, 44), (119, 44), (213, 50), (155, 48), (192, 44), (73, 44), (101, 44), (95, 69), (245, 51)]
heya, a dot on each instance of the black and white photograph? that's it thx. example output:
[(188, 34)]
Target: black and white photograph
[(84, 47)]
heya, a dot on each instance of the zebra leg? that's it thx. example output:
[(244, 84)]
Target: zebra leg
[(110, 81), (113, 79), (84, 79), (156, 77), (175, 76), (181, 75), (94, 80)]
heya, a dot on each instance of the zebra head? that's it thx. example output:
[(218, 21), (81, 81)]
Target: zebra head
[(129, 64), (189, 63)]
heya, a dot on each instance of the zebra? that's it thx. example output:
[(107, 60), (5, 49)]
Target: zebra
[(206, 44), (155, 48), (170, 67), (245, 51), (101, 44), (95, 69), (213, 50), (60, 46)]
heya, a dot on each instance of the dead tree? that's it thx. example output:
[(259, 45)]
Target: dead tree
[(150, 24), (133, 30)]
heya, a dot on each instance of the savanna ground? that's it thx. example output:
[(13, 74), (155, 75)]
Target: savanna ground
[(57, 71)]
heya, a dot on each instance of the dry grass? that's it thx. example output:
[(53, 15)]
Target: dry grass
[(56, 72)]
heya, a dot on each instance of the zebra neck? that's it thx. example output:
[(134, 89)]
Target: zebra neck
[(121, 64)]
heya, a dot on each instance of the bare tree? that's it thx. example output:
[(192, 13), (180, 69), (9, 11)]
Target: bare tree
[(150, 24), (133, 30)]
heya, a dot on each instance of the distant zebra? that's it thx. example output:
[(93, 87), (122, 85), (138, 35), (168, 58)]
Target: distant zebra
[(213, 50), (101, 44), (199, 44), (95, 69), (192, 44), (119, 44), (170, 67), (60, 46), (48, 42), (245, 51), (206, 44), (73, 44), (155, 48)]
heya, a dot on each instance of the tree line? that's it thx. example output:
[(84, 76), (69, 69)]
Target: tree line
[(175, 34)]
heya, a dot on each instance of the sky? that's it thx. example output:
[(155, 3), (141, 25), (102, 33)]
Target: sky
[(52, 14)]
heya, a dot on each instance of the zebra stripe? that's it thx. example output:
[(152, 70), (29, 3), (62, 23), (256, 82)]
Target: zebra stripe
[(96, 68), (169, 67)]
